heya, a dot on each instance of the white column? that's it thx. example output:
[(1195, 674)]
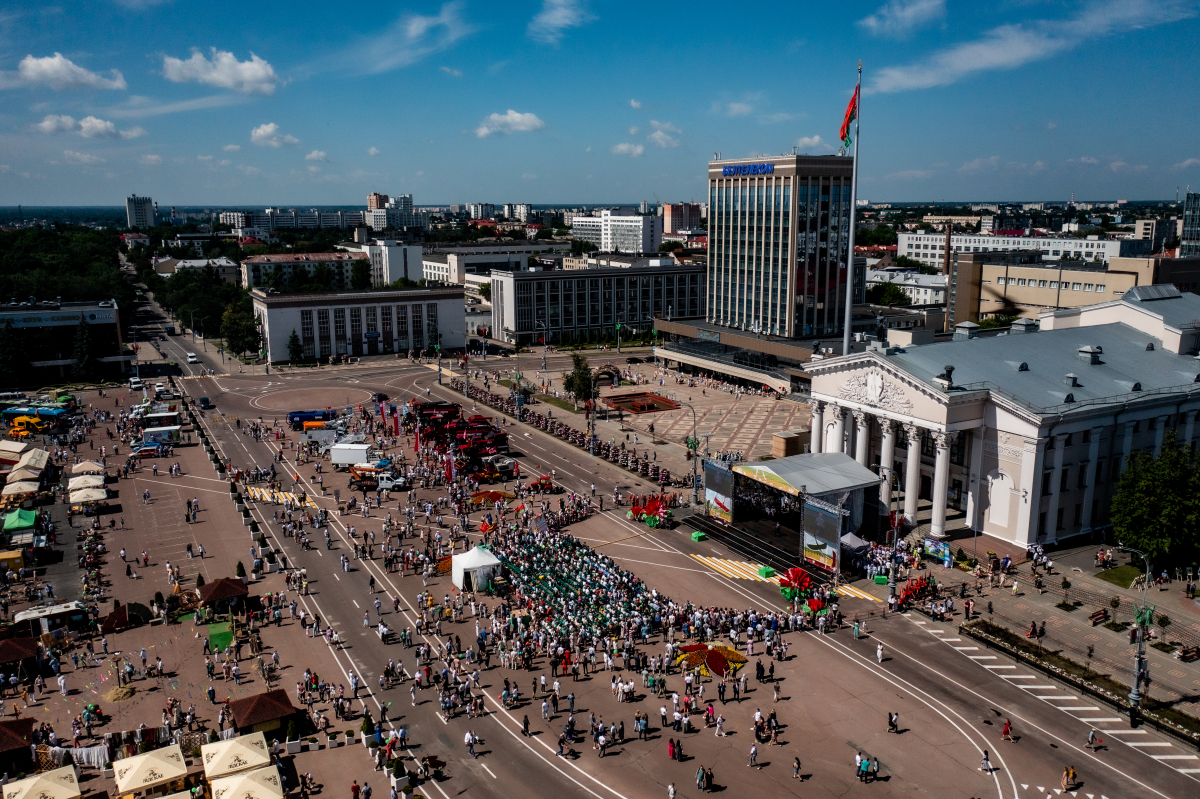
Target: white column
[(887, 455), (1060, 445), (817, 430), (1127, 448), (912, 473), (1090, 493), (1030, 487), (837, 439), (941, 482), (862, 441), (1160, 430)]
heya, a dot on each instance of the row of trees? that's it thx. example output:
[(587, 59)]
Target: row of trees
[(77, 264), (1156, 507)]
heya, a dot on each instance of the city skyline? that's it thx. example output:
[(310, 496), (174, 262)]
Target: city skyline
[(452, 102)]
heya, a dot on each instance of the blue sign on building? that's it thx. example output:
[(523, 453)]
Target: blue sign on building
[(748, 169)]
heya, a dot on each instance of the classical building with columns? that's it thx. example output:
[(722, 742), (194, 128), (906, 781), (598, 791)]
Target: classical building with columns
[(1019, 436)]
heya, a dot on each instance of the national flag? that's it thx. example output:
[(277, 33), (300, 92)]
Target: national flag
[(851, 114)]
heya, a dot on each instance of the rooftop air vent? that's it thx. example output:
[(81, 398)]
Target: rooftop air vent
[(1023, 326), (1090, 354), (1150, 346), (1069, 398), (1136, 387), (1024, 367), (1071, 380)]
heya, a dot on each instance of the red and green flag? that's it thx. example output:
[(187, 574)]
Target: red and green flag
[(851, 114)]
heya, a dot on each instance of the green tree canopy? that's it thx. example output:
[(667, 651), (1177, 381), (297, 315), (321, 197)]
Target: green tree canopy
[(360, 275), (295, 348), (485, 291), (888, 294), (579, 380), (1156, 507), (238, 330)]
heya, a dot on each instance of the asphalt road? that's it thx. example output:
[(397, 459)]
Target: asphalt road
[(952, 698)]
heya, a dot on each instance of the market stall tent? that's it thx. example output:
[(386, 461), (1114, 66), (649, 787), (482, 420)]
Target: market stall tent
[(19, 520), (243, 753), (474, 569), (61, 783), (150, 770), (88, 495), (20, 475), (16, 489), (264, 783), (85, 481), (88, 467), (34, 459)]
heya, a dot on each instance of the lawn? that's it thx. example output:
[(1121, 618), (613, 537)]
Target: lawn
[(1122, 576), (549, 399)]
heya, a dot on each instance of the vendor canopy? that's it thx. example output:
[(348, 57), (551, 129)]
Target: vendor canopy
[(236, 754), (88, 467), (261, 784), (20, 475), (813, 474), (34, 459), (157, 767), (85, 481), (480, 564), (13, 489), (61, 783), (19, 520), (88, 495)]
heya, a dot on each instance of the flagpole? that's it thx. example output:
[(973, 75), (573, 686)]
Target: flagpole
[(853, 212)]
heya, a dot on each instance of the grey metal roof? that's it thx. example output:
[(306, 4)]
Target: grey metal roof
[(1051, 355), (1178, 310), (817, 473)]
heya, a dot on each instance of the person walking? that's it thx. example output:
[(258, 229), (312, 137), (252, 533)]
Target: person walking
[(753, 761), (1006, 733), (1094, 740), (469, 740), (985, 764), (879, 652), (795, 768), (894, 722)]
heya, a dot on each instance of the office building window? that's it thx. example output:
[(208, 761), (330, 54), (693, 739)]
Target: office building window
[(401, 327), (418, 333), (1046, 482), (355, 324), (326, 347), (431, 321)]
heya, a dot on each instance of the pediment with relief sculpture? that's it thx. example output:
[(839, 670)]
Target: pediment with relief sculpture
[(875, 389)]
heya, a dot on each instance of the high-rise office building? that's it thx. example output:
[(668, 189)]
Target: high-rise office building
[(139, 211), (613, 232), (376, 201), (1189, 239), (778, 233), (680, 216)]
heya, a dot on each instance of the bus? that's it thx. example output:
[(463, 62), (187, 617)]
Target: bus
[(52, 415), (296, 419)]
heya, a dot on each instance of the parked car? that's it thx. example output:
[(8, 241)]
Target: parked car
[(205, 404), (146, 450), (633, 360)]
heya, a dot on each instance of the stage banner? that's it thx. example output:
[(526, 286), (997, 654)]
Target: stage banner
[(822, 534), (939, 550), (718, 492)]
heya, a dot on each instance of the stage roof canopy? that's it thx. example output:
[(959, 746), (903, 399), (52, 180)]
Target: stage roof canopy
[(812, 474)]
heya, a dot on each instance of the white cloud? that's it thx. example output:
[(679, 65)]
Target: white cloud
[(204, 158), (735, 109), (54, 123), (314, 168), (910, 174), (231, 148), (143, 107), (223, 70), (267, 135), (633, 131), (662, 134), (410, 39), (59, 73), (316, 155), (93, 128), (1087, 159), (631, 150), (1188, 163), (81, 158), (1012, 46), (454, 73), (555, 17), (224, 162), (979, 164), (1051, 125), (809, 143), (634, 104), (1121, 166), (899, 18), (250, 171), (528, 176), (373, 151), (133, 132), (510, 122), (151, 160)]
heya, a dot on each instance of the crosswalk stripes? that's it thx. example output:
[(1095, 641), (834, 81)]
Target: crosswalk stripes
[(735, 569), (278, 497), (850, 590), (1085, 714), (197, 377)]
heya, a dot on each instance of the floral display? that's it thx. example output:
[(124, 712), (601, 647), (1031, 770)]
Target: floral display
[(713, 660)]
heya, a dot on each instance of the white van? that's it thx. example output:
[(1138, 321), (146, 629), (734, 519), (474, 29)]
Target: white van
[(135, 384), (191, 358)]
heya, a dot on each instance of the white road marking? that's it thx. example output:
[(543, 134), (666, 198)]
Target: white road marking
[(488, 770)]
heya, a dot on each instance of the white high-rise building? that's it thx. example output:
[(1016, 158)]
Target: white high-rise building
[(481, 210), (614, 233), (139, 211)]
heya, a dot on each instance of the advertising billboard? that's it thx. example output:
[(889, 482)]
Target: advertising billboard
[(718, 492), (822, 534)]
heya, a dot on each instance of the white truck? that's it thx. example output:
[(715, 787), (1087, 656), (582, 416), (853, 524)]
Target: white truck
[(343, 456)]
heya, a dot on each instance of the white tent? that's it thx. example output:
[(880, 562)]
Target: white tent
[(245, 752), (263, 783), (475, 568), (85, 481), (61, 783), (88, 495), (149, 770), (13, 489), (20, 475), (34, 459), (88, 467)]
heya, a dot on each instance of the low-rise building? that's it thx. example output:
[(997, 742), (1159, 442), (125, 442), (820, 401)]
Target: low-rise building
[(930, 248), (921, 289), (377, 322), (226, 269), (45, 340), (391, 260), (279, 270)]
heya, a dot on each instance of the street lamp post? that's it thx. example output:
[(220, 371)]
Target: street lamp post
[(619, 321), (1143, 623), (695, 456)]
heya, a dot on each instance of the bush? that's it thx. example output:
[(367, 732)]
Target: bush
[(1066, 584), (240, 571), (372, 744), (368, 725), (960, 556), (1115, 602), (213, 737), (158, 598), (199, 581), (290, 734), (68, 760), (261, 541)]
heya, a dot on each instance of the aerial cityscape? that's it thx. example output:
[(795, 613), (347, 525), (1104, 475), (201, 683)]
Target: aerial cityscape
[(822, 378)]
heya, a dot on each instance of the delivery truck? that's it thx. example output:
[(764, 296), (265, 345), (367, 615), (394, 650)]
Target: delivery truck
[(343, 456)]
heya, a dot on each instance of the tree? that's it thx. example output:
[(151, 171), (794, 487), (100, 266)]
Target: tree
[(295, 348), (917, 266), (1156, 506), (360, 275), (238, 330), (579, 380), (485, 291), (81, 366), (579, 246), (10, 350), (888, 294)]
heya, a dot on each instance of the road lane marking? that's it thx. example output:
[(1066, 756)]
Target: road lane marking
[(488, 770)]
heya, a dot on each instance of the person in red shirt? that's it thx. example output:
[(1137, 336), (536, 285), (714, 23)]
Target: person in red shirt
[(354, 789), (1006, 733)]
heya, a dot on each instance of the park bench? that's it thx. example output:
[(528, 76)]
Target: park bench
[(1099, 617)]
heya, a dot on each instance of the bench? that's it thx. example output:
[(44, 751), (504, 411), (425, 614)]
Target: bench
[(1099, 617), (1188, 654)]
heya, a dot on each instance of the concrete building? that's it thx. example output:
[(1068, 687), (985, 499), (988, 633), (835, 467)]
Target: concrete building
[(375, 201), (452, 264), (390, 259), (227, 270), (290, 218), (1189, 226), (630, 261), (481, 210), (680, 216), (940, 222), (278, 270), (45, 340), (139, 211), (1021, 436), (1155, 231), (360, 323), (929, 248), (921, 289), (587, 304), (612, 232)]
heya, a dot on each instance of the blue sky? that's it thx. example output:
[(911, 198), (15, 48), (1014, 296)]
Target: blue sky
[(589, 101)]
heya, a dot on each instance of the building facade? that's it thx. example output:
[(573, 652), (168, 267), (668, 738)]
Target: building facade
[(226, 269), (779, 244), (1189, 235), (1022, 436), (615, 232), (360, 323), (45, 335), (280, 270), (930, 248), (921, 289), (680, 216), (139, 211), (375, 201), (586, 305), (280, 218)]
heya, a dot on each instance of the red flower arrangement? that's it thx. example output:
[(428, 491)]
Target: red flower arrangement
[(713, 660)]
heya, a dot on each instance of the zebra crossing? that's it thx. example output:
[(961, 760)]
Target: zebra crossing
[(736, 569), (279, 497), (1102, 718)]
